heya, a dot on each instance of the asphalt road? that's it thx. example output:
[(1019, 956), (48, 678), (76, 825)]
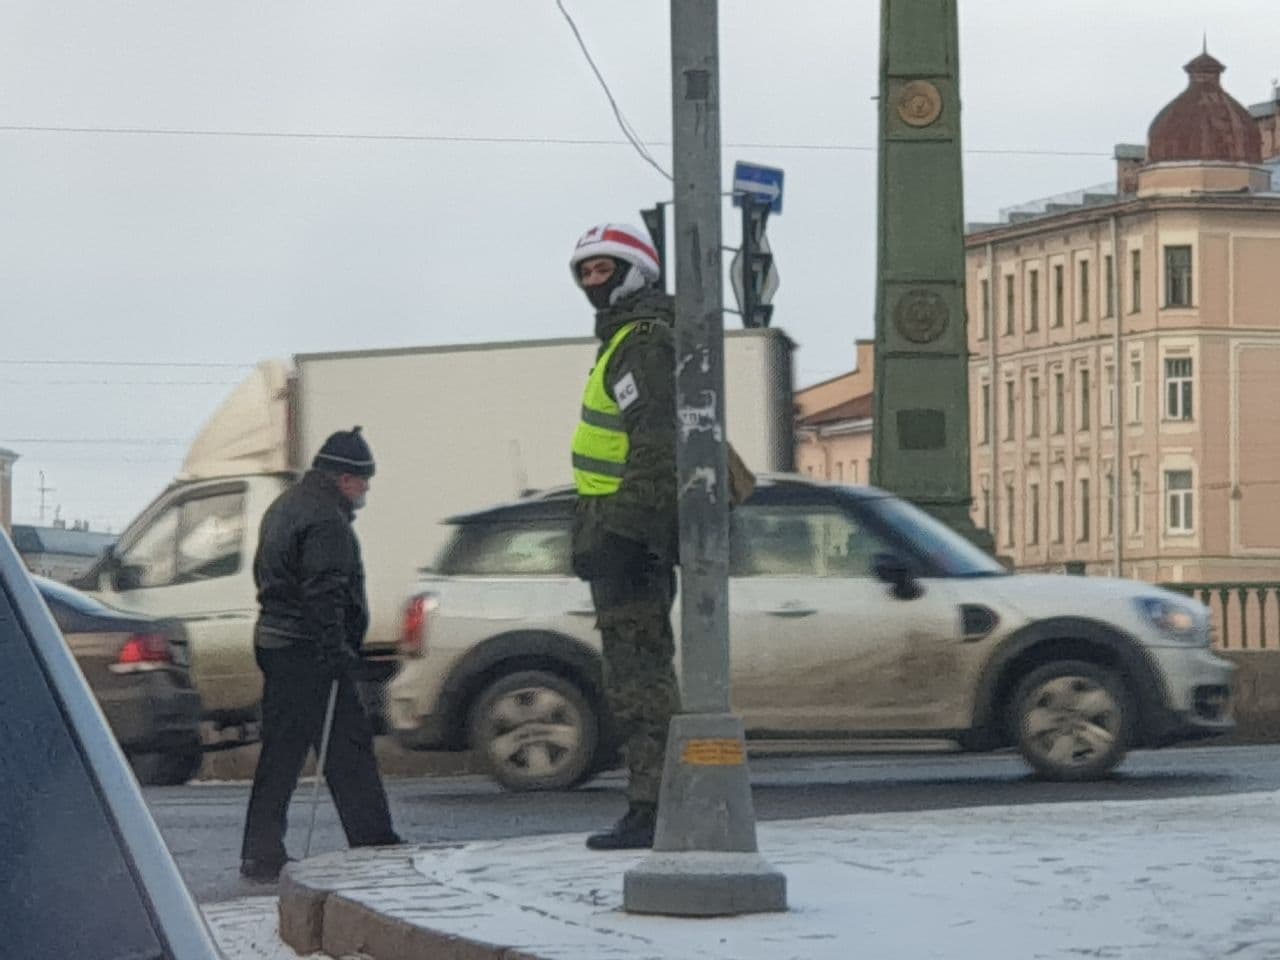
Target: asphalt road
[(202, 822)]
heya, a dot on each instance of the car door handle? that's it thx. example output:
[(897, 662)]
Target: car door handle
[(588, 612), (791, 610)]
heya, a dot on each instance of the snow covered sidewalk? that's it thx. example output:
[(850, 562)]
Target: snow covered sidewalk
[(1185, 879)]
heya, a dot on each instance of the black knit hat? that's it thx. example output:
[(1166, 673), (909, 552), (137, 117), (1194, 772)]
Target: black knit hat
[(345, 452)]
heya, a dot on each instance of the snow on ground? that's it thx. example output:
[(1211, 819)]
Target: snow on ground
[(1186, 879), (1161, 880), (248, 929)]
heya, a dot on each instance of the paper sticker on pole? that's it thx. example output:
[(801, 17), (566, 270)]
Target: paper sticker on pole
[(714, 753)]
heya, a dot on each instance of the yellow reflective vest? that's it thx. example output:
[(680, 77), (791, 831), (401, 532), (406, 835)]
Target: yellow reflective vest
[(600, 444)]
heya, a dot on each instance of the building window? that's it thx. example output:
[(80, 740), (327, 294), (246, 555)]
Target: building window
[(1110, 520), (1033, 516), (986, 413), (1010, 514), (1177, 388), (1109, 268), (1085, 399), (839, 472), (1177, 276), (1109, 409), (1009, 304), (1059, 295), (853, 471), (1059, 510), (1059, 402), (1135, 388), (1085, 507), (1179, 499), (986, 508), (1135, 280), (1135, 492), (1084, 291), (1033, 304), (986, 310), (1010, 408), (1033, 426)]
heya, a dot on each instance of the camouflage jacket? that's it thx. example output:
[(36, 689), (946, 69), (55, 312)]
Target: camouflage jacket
[(644, 508)]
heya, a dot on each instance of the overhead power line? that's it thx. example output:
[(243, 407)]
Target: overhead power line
[(535, 141), (121, 441), (627, 131), (48, 362)]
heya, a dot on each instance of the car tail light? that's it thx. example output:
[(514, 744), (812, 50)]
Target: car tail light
[(143, 651), (414, 628)]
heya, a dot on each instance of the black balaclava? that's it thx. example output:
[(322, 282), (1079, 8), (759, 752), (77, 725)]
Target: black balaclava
[(601, 296)]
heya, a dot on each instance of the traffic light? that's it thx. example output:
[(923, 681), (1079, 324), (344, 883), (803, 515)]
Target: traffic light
[(655, 220)]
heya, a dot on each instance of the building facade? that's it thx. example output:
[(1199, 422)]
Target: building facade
[(1125, 357), (59, 552), (833, 423), (7, 460)]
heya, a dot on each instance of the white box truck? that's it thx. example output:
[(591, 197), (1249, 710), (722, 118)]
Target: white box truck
[(452, 428)]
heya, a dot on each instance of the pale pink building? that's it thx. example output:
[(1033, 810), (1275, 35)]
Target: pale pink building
[(1125, 365)]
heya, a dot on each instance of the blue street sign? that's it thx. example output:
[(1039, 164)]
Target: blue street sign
[(763, 183)]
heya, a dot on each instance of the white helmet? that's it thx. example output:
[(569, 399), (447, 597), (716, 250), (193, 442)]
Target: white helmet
[(622, 242)]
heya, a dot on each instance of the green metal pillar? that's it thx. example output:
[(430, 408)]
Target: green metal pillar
[(921, 415)]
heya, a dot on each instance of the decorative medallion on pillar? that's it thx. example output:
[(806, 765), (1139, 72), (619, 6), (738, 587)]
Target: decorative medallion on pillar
[(919, 103), (921, 316)]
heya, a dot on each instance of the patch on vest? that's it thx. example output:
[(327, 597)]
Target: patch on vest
[(626, 392)]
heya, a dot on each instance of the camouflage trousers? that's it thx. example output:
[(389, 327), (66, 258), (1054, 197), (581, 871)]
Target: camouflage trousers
[(633, 613)]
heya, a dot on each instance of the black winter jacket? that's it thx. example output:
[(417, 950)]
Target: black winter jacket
[(309, 574)]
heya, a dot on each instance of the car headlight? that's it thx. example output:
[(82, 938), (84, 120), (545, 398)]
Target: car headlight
[(1178, 620)]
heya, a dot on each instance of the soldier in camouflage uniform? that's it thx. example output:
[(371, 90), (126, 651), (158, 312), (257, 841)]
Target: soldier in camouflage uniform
[(625, 529)]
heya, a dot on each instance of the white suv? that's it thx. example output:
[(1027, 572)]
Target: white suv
[(853, 615)]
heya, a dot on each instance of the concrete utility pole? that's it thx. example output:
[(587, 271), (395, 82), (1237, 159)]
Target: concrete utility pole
[(920, 425), (705, 861)]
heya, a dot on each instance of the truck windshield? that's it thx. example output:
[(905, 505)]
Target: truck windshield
[(948, 552)]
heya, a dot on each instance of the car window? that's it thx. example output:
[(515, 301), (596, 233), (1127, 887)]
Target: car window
[(802, 541), (153, 554), (196, 539), (73, 886), (508, 549), (212, 533), (945, 551)]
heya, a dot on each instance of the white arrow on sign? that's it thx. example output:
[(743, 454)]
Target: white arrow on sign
[(770, 190), (771, 279)]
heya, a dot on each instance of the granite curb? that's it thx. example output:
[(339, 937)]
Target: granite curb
[(370, 903)]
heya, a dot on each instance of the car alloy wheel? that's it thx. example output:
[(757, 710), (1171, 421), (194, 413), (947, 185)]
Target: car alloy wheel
[(1072, 720), (535, 730)]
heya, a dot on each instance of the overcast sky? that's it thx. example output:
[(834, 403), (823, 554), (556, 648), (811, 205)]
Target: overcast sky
[(215, 249)]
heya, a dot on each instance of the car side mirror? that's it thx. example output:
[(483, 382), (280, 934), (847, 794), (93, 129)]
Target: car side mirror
[(125, 577), (895, 571)]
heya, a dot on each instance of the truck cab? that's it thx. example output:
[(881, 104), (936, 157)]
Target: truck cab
[(190, 556)]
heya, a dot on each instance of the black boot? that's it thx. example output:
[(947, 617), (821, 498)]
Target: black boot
[(633, 832)]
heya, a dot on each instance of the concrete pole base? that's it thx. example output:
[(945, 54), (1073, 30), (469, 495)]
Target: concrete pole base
[(705, 862), (704, 884)]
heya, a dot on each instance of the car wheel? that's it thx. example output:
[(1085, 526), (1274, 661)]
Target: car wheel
[(535, 731), (1072, 720), (166, 769)]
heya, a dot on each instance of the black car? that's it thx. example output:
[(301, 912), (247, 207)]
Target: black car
[(139, 671)]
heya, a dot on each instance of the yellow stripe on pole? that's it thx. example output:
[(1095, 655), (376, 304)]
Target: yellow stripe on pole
[(714, 753)]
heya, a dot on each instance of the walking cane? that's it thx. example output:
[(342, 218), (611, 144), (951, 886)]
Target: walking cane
[(320, 760)]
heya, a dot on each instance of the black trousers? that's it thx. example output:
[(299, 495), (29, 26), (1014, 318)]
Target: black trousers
[(294, 698)]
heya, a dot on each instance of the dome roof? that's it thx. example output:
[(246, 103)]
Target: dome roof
[(1204, 122)]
